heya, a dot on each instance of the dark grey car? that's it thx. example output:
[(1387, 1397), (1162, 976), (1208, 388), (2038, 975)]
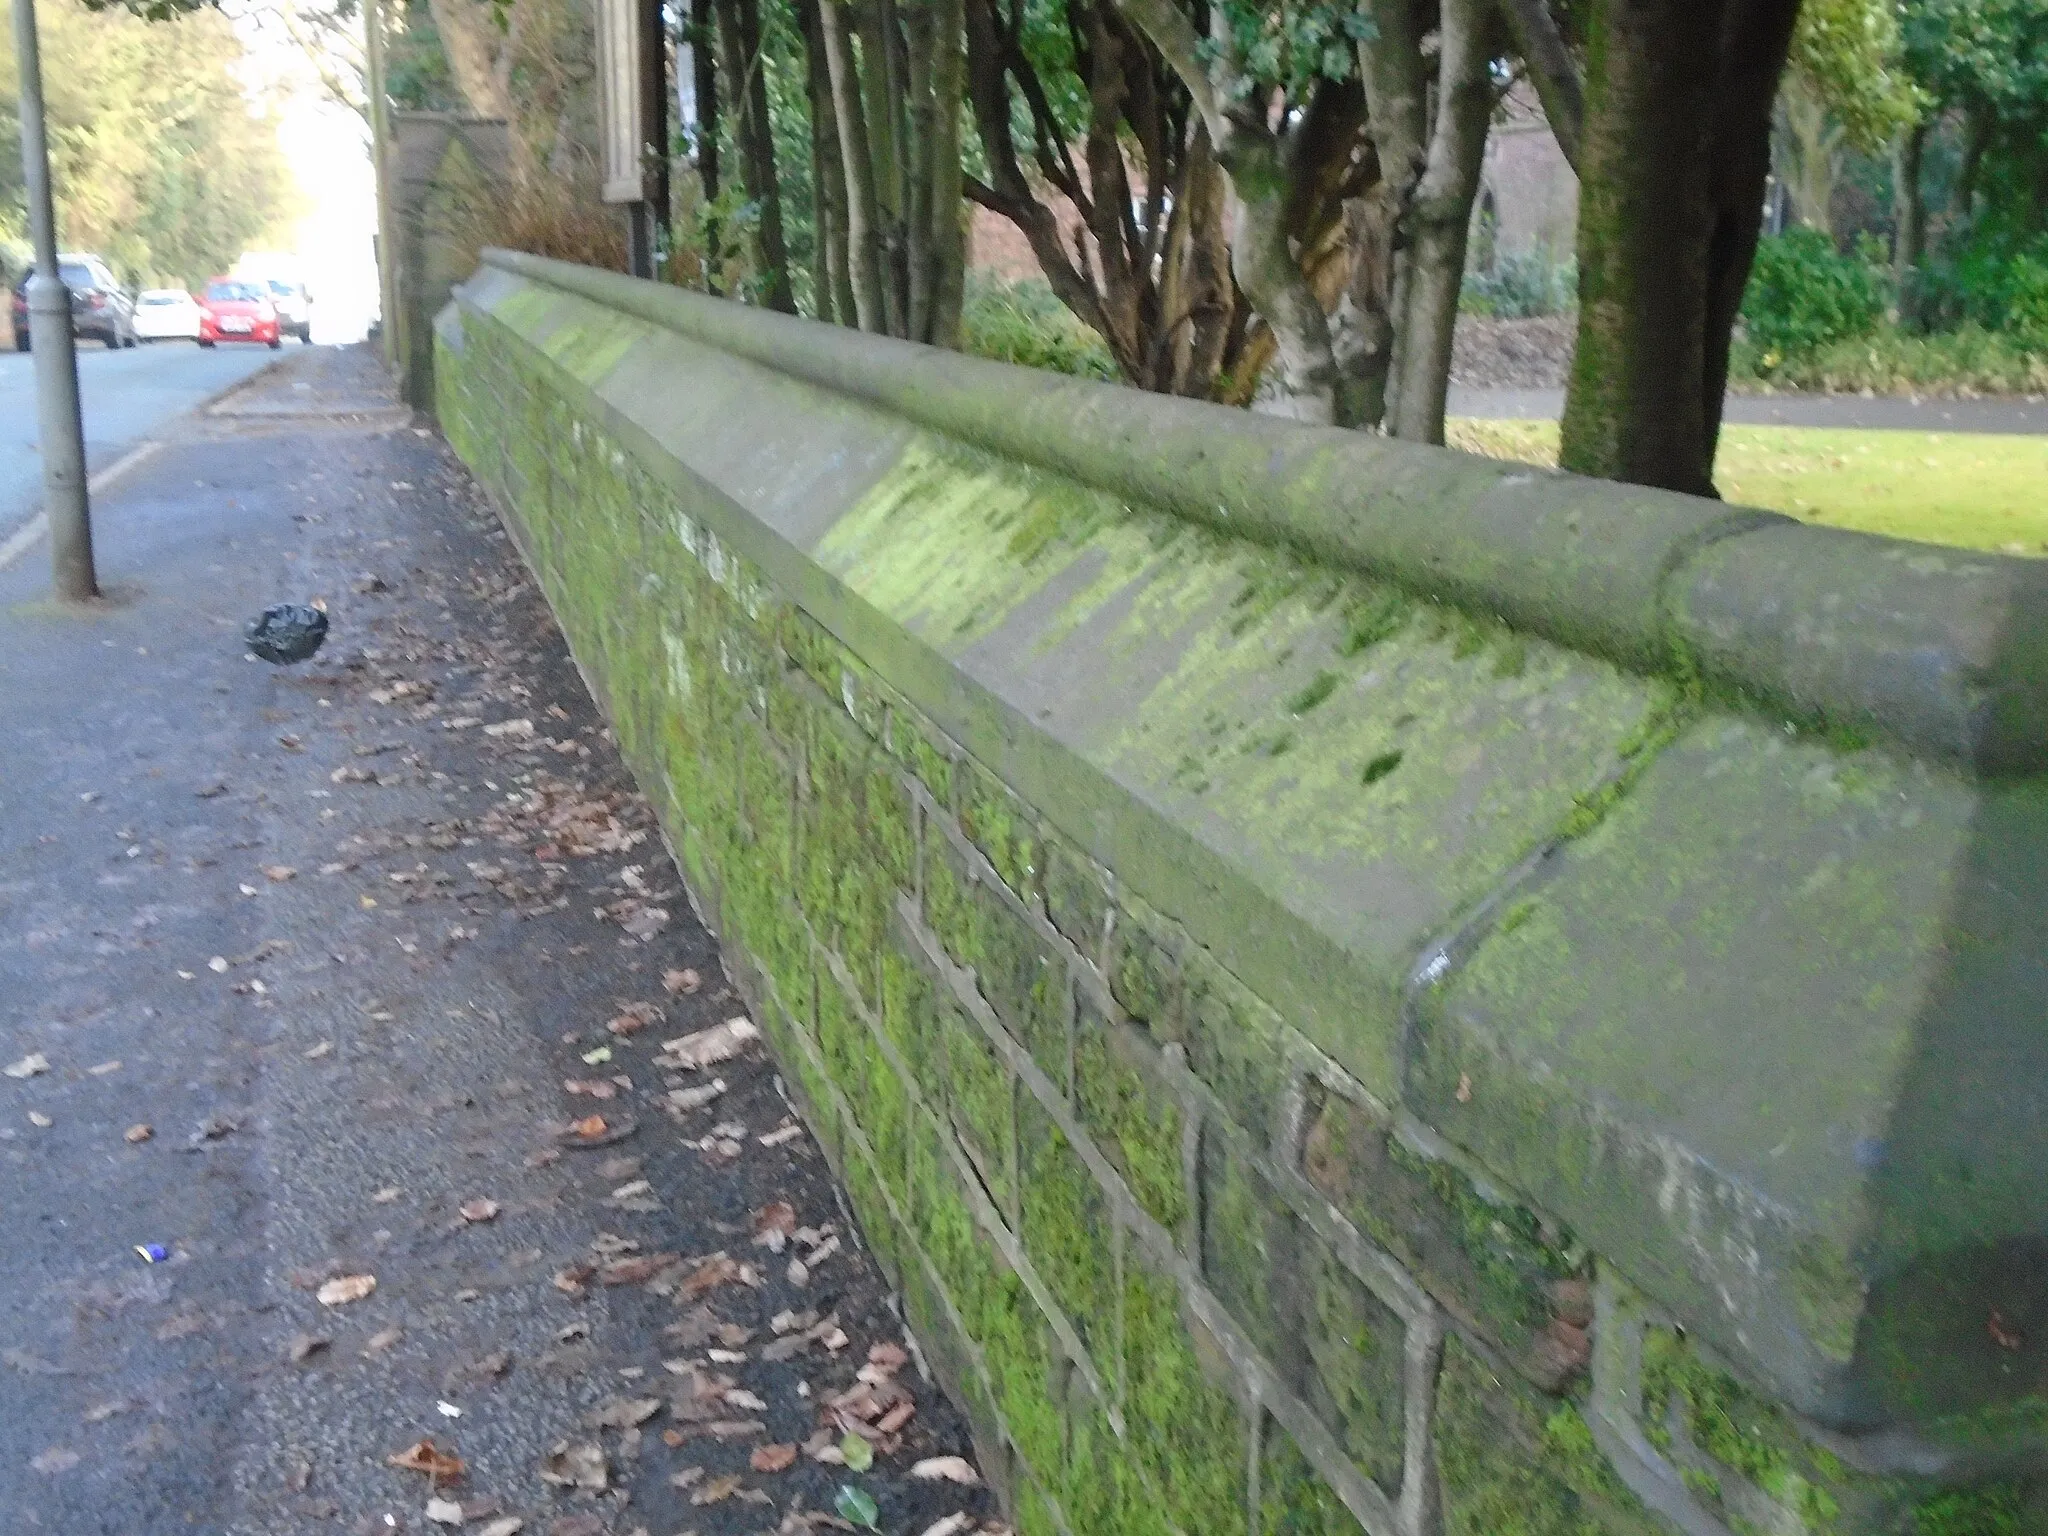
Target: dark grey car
[(100, 307)]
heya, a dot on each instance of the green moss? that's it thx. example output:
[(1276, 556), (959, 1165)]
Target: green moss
[(1380, 767), (1995, 1511), (1133, 1117), (981, 1095), (1187, 1433), (1294, 1500), (1375, 616), (1512, 1467), (1318, 688), (1066, 1231), (1738, 1430)]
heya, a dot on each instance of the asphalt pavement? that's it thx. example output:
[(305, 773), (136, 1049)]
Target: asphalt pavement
[(2000, 414), (333, 1010), (125, 396)]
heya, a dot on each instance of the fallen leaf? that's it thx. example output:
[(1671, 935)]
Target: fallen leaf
[(56, 1459), (722, 1042), (322, 1049), (954, 1469), (684, 981), (382, 1340), (597, 1057), (888, 1358), (510, 1525), (595, 1089), (952, 1525), (711, 1273), (858, 1453), (305, 1345), (479, 1210), (645, 922), (578, 1525), (571, 1465), (637, 1270), (444, 1512), (31, 1065), (424, 1456), (387, 1194), (279, 872), (740, 1397), (104, 1068), (781, 1134), (136, 1134), (772, 1458), (624, 1412), (717, 1490), (773, 1223), (890, 1422), (341, 1291), (856, 1506)]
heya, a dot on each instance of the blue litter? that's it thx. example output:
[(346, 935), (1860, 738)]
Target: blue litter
[(153, 1253)]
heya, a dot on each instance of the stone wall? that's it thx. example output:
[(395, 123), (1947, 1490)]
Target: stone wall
[(1350, 987)]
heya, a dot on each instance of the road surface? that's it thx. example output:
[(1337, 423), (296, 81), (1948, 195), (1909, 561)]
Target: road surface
[(2005, 414), (126, 395)]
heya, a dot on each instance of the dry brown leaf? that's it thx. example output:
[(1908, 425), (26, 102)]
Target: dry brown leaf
[(721, 1042), (896, 1418), (382, 1340), (593, 1088), (684, 981), (637, 1270), (624, 1412), (719, 1269), (717, 1490), (342, 1290), (136, 1134), (774, 1221), (772, 1458), (424, 1456), (888, 1358), (953, 1469), (571, 1465), (479, 1209)]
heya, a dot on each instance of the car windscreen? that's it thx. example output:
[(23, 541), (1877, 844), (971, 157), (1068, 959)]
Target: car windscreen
[(75, 275), (161, 300), (228, 293), (283, 290)]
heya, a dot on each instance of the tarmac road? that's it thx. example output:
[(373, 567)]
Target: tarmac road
[(126, 396)]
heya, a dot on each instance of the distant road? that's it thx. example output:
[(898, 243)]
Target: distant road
[(127, 396), (2001, 415)]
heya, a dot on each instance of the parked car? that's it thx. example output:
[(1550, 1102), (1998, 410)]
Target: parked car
[(231, 309), (294, 308), (166, 314), (100, 306)]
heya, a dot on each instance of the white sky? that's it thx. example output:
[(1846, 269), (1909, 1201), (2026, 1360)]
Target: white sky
[(300, 65)]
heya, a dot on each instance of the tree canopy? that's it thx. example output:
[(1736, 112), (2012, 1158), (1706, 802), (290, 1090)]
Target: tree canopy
[(160, 161)]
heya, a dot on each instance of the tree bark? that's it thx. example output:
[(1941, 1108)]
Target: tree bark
[(832, 283), (1551, 70), (1676, 155), (1910, 200), (1816, 153), (1439, 220), (948, 207), (739, 26), (863, 233)]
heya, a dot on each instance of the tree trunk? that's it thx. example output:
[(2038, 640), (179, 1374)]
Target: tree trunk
[(1910, 242), (1676, 155), (948, 207), (1362, 328), (881, 82), (917, 170), (1440, 220), (1816, 153), (1977, 125), (863, 233), (832, 282), (1304, 385), (739, 25), (704, 66)]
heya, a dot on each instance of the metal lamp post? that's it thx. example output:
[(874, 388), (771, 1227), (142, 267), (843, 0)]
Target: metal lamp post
[(49, 329)]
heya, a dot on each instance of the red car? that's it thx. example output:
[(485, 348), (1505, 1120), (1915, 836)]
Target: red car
[(232, 310)]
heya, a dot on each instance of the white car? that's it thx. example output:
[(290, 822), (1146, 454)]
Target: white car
[(166, 314), (294, 308)]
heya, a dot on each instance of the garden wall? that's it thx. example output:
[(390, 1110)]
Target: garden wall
[(1350, 986)]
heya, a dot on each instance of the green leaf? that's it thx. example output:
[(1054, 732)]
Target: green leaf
[(856, 1507), (858, 1453)]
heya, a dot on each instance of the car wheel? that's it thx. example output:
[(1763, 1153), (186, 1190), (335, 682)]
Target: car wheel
[(113, 340), (132, 339), (276, 342), (207, 344), (21, 341)]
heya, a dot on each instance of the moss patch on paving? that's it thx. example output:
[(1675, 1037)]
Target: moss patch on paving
[(1969, 489)]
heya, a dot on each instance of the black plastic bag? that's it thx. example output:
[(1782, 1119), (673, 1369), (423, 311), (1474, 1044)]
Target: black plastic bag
[(287, 633)]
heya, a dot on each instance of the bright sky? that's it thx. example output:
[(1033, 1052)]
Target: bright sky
[(304, 62)]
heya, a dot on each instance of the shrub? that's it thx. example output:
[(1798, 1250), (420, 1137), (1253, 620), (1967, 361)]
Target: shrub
[(1024, 322), (1521, 286), (1804, 294), (1890, 361)]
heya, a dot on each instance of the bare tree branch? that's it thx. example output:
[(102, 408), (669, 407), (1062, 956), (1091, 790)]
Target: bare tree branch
[(1552, 70)]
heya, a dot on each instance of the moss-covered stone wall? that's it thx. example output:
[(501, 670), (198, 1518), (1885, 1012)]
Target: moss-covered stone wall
[(1106, 885)]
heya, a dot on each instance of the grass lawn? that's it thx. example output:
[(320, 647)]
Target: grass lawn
[(1975, 490)]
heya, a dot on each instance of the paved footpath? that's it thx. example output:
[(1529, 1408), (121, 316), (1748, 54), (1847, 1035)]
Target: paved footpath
[(366, 970)]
